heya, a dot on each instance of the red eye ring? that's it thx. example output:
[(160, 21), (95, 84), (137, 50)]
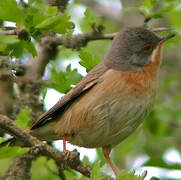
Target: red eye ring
[(147, 48)]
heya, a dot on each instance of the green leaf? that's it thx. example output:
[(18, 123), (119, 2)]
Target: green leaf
[(63, 80), (72, 75), (49, 23), (90, 20), (59, 24), (100, 155), (162, 11), (64, 24), (23, 118), (9, 39), (47, 169), (10, 152), (131, 176), (15, 50), (173, 17), (149, 3), (59, 81), (51, 11), (29, 46), (86, 161), (10, 11), (96, 172), (88, 61)]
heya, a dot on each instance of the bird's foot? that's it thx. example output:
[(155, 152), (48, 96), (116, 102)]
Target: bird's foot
[(68, 153)]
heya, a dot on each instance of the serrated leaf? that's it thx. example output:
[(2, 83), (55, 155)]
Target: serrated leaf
[(10, 11), (131, 176), (72, 75), (88, 61), (64, 24), (60, 82), (10, 152), (23, 118), (90, 20), (59, 23), (96, 172), (9, 39), (63, 80)]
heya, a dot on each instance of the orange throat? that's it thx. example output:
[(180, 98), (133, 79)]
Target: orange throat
[(147, 78)]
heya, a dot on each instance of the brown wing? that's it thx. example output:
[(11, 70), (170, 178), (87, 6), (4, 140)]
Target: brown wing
[(93, 77)]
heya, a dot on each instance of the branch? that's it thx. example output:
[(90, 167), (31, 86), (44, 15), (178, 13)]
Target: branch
[(61, 4), (22, 33), (81, 40), (60, 158)]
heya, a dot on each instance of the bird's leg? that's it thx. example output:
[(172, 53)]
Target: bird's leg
[(106, 152), (67, 153), (64, 143)]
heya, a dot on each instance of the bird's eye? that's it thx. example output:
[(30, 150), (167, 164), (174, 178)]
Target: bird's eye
[(147, 48)]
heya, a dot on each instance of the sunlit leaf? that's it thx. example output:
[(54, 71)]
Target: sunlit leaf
[(51, 11), (10, 11), (96, 172), (63, 80), (59, 23), (88, 61)]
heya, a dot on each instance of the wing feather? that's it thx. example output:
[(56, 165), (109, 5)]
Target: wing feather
[(92, 78)]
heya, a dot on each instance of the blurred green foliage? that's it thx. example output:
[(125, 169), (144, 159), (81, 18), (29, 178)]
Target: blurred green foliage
[(159, 133), (23, 118), (10, 152)]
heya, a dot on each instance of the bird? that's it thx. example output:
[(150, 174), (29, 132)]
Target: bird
[(112, 100)]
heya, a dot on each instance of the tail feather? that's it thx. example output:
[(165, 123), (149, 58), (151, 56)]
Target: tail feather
[(8, 141), (12, 142)]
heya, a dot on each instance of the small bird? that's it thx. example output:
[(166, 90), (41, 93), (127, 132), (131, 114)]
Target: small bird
[(112, 100)]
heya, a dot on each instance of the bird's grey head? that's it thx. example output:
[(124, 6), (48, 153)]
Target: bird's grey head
[(132, 49)]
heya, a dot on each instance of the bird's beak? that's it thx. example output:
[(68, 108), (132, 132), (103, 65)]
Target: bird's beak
[(165, 38)]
